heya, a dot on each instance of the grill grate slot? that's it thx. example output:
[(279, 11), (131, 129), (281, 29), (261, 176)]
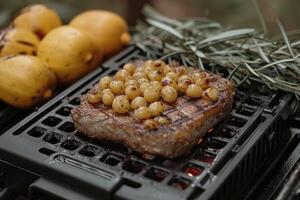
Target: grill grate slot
[(264, 90), (179, 182), (132, 183), (64, 111), (227, 132), (205, 157), (82, 136), (192, 169), (46, 151), (51, 121), (67, 127), (52, 138), (113, 160), (236, 121), (75, 101), (246, 110), (255, 101), (133, 166), (239, 96), (71, 144), (213, 144), (89, 151), (170, 164), (156, 174), (37, 131)]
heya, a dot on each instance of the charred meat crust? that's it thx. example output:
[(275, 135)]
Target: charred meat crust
[(190, 121)]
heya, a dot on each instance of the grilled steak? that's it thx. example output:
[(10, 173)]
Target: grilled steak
[(190, 119)]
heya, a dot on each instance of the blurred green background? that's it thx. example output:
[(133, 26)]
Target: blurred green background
[(237, 13)]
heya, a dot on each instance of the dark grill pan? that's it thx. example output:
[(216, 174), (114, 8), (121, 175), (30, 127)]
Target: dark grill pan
[(9, 116), (47, 158)]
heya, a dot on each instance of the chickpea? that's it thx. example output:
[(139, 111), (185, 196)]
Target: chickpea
[(139, 69), (211, 93), (156, 85), (120, 104), (143, 86), (185, 77), (169, 94), (131, 82), (168, 69), (108, 98), (130, 68), (104, 82), (151, 94), (132, 91), (143, 80), (105, 91), (194, 91), (173, 76), (183, 85), (148, 63), (203, 83), (138, 102), (142, 113), (162, 120), (167, 81), (151, 124), (204, 74), (181, 71), (117, 87), (138, 75), (156, 108), (155, 75), (94, 98), (158, 65), (122, 75), (148, 68), (197, 75)]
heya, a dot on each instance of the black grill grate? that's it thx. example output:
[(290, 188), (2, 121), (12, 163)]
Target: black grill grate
[(242, 143)]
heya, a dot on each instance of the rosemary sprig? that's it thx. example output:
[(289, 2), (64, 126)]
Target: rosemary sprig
[(245, 54)]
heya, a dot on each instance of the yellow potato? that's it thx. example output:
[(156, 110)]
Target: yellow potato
[(25, 81), (108, 30), (70, 53), (38, 19), (16, 41)]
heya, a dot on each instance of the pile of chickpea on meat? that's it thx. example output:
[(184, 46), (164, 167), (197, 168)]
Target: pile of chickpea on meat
[(147, 88)]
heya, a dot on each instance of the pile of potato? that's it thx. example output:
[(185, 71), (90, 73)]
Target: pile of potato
[(39, 53)]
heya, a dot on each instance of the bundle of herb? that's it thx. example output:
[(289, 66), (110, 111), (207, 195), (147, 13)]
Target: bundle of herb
[(247, 55)]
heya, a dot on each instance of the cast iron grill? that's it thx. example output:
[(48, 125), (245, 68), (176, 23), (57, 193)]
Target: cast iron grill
[(47, 144)]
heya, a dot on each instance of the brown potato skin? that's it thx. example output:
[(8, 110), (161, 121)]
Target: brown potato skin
[(25, 81), (70, 53), (37, 18), (15, 41)]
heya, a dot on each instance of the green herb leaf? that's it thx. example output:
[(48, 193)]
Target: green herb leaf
[(285, 37), (165, 28), (247, 55)]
